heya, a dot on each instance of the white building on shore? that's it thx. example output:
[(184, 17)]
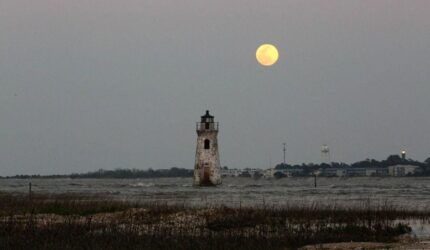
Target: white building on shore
[(234, 172), (402, 170)]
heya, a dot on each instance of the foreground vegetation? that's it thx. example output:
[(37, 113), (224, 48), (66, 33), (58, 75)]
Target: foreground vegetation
[(74, 222)]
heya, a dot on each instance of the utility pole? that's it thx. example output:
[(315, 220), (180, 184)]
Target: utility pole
[(29, 190), (285, 150), (315, 180)]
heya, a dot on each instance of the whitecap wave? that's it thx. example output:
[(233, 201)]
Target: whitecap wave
[(142, 184)]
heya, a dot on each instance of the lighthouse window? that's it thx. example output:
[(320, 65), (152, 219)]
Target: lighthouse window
[(207, 125), (207, 144)]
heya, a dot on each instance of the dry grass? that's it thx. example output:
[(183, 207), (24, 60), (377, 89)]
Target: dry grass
[(74, 222)]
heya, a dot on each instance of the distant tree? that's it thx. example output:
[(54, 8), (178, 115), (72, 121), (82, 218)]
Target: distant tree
[(325, 165), (339, 165), (375, 163), (335, 165), (393, 160), (283, 166), (362, 164)]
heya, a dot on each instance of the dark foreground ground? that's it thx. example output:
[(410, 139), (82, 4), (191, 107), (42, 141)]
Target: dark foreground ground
[(74, 222)]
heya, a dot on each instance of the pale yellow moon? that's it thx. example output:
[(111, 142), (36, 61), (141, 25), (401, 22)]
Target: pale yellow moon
[(267, 54)]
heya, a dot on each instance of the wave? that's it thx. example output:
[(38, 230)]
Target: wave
[(253, 186), (76, 184), (142, 184)]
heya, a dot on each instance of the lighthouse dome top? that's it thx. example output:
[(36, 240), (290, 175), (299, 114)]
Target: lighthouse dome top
[(207, 115)]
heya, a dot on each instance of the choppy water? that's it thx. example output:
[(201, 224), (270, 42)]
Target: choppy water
[(406, 192)]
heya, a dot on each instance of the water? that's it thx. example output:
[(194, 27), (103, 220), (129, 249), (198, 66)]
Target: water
[(408, 192)]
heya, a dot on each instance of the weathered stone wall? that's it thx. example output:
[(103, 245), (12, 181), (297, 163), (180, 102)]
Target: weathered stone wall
[(207, 167)]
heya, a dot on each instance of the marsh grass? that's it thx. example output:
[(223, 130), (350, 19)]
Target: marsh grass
[(64, 204), (74, 222)]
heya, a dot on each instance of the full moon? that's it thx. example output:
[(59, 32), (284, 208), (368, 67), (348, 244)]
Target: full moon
[(267, 54)]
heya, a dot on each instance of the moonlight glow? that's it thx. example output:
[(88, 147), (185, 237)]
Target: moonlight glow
[(267, 54)]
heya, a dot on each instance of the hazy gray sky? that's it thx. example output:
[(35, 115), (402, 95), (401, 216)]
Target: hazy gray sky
[(106, 84)]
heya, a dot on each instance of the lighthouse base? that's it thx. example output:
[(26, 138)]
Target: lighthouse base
[(207, 176)]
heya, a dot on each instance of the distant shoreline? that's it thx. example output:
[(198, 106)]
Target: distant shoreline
[(136, 178), (393, 166)]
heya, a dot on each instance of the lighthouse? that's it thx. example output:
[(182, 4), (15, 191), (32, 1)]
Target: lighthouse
[(207, 166)]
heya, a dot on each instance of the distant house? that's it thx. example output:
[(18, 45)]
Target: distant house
[(247, 172), (230, 172), (340, 172), (376, 171), (356, 172), (402, 170), (252, 171), (331, 172)]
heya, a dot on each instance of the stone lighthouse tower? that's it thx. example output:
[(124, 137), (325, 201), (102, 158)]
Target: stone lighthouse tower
[(207, 168)]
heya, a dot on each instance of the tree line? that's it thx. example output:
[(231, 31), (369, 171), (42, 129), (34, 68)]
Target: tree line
[(119, 174), (308, 168), (368, 163)]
